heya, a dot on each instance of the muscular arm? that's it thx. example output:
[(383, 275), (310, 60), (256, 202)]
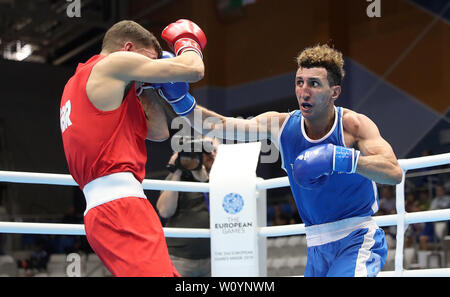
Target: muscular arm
[(157, 129), (377, 160), (168, 200), (130, 66), (119, 69), (263, 126)]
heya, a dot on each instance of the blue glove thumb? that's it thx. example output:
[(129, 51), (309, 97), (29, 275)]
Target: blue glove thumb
[(167, 55), (176, 93), (172, 90)]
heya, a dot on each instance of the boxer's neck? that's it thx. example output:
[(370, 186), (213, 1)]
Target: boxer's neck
[(319, 127)]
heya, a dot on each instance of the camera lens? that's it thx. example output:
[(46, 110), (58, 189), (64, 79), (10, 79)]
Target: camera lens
[(189, 162)]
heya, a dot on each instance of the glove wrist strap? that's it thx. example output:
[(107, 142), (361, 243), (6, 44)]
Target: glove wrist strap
[(187, 44), (345, 159)]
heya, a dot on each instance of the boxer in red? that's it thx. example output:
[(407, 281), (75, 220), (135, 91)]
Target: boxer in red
[(104, 125)]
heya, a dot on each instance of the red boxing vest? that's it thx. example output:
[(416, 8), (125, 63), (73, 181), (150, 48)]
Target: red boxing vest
[(98, 143)]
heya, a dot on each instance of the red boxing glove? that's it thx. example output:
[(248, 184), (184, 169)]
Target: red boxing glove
[(184, 35)]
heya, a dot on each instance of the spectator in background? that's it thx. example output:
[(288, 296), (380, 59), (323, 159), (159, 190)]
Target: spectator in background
[(447, 185), (423, 199), (279, 216), (387, 201), (411, 203), (294, 217), (71, 216), (65, 243), (191, 256), (289, 207), (2, 243), (419, 233), (38, 259), (388, 207), (428, 181), (441, 200)]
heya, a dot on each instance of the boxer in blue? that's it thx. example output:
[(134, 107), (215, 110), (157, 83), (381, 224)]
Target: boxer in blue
[(333, 157)]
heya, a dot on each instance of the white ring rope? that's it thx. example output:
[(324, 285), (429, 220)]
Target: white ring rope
[(401, 219), (271, 231), (435, 272), (67, 180), (78, 229), (382, 221), (423, 162)]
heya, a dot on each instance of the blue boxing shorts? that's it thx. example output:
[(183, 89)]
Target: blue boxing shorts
[(346, 248)]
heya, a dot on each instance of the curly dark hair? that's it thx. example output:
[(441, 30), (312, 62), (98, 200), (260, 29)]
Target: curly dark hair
[(324, 56)]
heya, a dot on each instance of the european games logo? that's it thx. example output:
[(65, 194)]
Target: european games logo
[(233, 203)]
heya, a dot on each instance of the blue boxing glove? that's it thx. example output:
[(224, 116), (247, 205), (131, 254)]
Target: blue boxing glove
[(167, 55), (314, 165), (177, 96), (176, 93)]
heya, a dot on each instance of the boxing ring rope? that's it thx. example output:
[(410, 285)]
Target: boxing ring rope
[(401, 219)]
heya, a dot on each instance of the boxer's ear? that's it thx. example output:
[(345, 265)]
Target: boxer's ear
[(335, 92), (128, 46)]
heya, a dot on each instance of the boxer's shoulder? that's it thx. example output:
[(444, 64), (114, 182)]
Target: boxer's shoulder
[(351, 123), (105, 99), (350, 120), (356, 125)]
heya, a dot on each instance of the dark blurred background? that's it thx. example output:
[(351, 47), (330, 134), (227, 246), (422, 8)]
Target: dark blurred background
[(397, 65)]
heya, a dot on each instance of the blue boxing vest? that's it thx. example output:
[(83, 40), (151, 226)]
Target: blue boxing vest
[(343, 195)]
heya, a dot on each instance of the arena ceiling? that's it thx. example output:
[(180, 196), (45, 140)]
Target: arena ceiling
[(42, 31)]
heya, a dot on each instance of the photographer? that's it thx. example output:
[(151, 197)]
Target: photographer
[(191, 256)]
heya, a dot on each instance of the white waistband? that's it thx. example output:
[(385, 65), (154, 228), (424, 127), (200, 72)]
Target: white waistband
[(111, 187), (329, 232)]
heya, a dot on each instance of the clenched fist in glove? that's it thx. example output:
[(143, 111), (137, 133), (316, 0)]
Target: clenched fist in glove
[(314, 165), (176, 93), (184, 35)]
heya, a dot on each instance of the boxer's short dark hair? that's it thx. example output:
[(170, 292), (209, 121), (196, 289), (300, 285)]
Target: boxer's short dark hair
[(324, 56), (125, 31)]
